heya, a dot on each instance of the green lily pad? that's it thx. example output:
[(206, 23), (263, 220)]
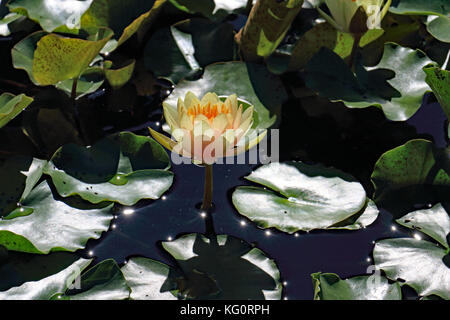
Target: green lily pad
[(302, 197), (52, 14), (6, 20), (146, 278), (416, 170), (439, 28), (46, 288), (439, 81), (419, 263), (123, 168), (396, 85), (104, 281), (117, 78), (183, 49), (250, 82), (328, 286), (58, 58), (90, 81), (420, 7), (23, 52), (11, 106), (212, 9), (222, 267), (123, 17), (22, 173), (43, 224), (434, 222)]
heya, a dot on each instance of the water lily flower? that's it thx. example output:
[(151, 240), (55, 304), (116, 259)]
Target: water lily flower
[(207, 129), (356, 16)]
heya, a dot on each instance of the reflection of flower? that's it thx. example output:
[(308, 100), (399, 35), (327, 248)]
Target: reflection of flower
[(208, 129), (356, 16)]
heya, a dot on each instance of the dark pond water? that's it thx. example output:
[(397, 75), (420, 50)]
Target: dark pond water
[(346, 253)]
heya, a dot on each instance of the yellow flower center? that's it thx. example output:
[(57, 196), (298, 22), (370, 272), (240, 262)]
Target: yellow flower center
[(208, 111)]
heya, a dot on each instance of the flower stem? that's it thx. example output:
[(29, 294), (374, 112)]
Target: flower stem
[(208, 190), (73, 97)]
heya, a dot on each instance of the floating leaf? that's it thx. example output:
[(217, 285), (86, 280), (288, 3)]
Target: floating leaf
[(46, 288), (222, 267), (117, 78), (23, 52), (104, 281), (90, 81), (5, 21), (439, 81), (409, 7), (396, 85), (303, 197), (328, 286), (59, 58), (11, 106), (182, 50), (146, 278), (420, 264), (413, 171), (217, 9), (51, 14), (43, 224), (124, 168), (123, 17), (439, 28), (22, 173), (250, 82)]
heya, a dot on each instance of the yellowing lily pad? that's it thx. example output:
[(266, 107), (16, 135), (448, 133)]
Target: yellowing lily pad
[(11, 106), (304, 197), (58, 58), (124, 168), (117, 78)]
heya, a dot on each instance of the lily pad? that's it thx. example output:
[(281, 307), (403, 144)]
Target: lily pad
[(123, 168), (213, 9), (438, 27), (396, 85), (104, 281), (43, 224), (439, 81), (90, 81), (6, 20), (183, 49), (416, 171), (222, 267), (250, 82), (22, 173), (51, 14), (123, 17), (46, 288), (11, 106), (58, 58), (410, 7), (328, 286), (117, 78), (146, 278), (302, 197), (421, 264)]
